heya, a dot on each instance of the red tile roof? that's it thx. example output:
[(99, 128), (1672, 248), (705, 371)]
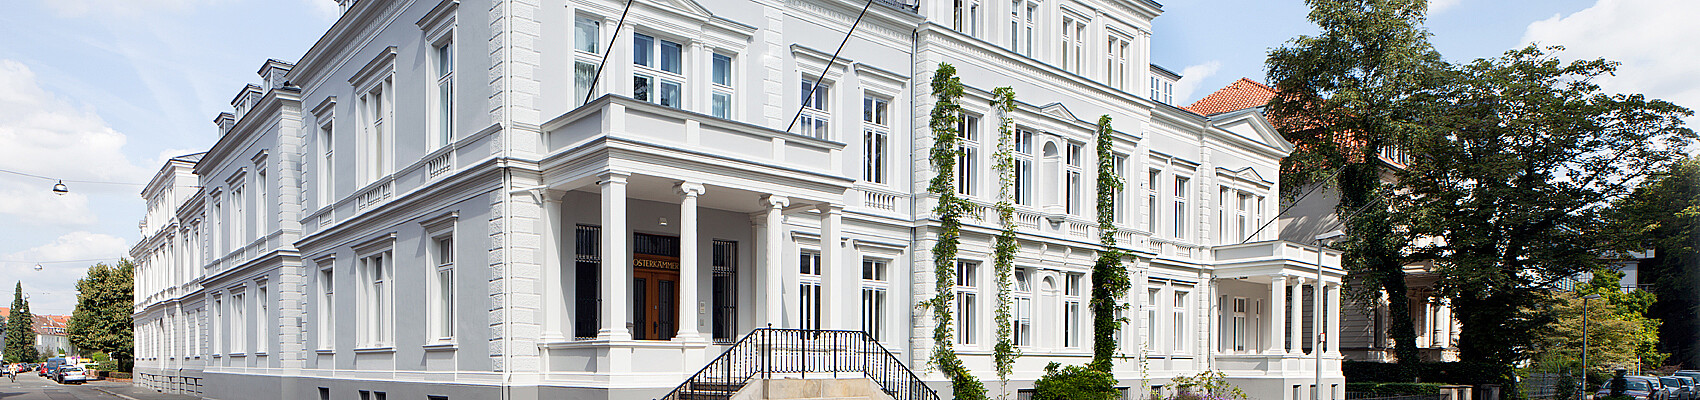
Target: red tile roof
[(1242, 94)]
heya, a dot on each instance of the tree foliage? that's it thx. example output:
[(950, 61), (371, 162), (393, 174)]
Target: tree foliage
[(1522, 153), (101, 322), (1619, 334), (1345, 94), (20, 330), (947, 90), (1663, 215)]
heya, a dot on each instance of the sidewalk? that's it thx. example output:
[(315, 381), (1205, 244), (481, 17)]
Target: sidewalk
[(129, 392)]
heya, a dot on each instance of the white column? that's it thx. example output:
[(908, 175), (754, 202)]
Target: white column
[(1333, 318), (1316, 317), (688, 261), (837, 274), (1277, 312), (616, 262), (554, 271), (1443, 326), (1296, 340), (773, 256)]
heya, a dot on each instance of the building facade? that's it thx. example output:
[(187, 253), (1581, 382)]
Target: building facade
[(51, 339), (570, 199)]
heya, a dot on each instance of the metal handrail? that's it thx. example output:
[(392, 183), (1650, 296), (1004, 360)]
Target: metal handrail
[(769, 351)]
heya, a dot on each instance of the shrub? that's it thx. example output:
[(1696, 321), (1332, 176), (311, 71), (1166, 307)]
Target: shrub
[(1074, 382), (1408, 388)]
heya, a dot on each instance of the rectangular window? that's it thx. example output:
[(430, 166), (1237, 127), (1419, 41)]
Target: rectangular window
[(1115, 68), (238, 231), (967, 126), (1244, 217), (587, 287), (1023, 167), (239, 323), (1071, 310), (445, 57), (1073, 31), (1118, 206), (1239, 326), (874, 289), (967, 296), (1027, 27), (1222, 195), (658, 73), (375, 106), (327, 307), (1023, 295), (1180, 207), (327, 162), (810, 281), (1014, 25), (262, 203), (1152, 181), (721, 98), (1152, 294), (443, 254), (1072, 174), (586, 34), (875, 131), (816, 111), (375, 313), (725, 290), (584, 75), (1179, 323), (263, 311)]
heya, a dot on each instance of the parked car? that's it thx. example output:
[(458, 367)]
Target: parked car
[(1636, 387), (71, 373), (1690, 386)]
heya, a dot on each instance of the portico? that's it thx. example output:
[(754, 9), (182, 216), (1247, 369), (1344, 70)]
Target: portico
[(658, 245), (1296, 315)]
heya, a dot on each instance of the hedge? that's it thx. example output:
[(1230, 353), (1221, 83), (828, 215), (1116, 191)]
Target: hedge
[(1395, 388), (1458, 373)]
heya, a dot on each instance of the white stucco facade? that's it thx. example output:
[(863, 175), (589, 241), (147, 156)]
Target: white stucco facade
[(426, 203)]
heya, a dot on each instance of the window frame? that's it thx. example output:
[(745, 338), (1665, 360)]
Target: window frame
[(375, 275), (809, 282), (967, 300), (876, 289), (967, 162), (654, 68), (586, 61), (325, 288), (876, 138), (816, 112), (727, 89)]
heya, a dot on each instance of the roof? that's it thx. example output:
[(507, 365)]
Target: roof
[(1242, 94), (43, 324)]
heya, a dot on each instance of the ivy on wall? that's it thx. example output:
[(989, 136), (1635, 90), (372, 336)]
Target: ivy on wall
[(947, 90), (1109, 278), (1003, 255)]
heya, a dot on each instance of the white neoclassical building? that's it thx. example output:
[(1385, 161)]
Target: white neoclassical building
[(573, 199)]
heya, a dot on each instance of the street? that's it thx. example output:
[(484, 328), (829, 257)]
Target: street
[(32, 387)]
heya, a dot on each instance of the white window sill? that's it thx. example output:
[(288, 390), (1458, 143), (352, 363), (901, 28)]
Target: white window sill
[(449, 346), (325, 352), (237, 355), (375, 350)]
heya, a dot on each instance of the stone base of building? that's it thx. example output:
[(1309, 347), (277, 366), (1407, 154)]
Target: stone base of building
[(172, 380)]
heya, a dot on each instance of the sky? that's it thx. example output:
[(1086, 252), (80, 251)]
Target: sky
[(106, 90)]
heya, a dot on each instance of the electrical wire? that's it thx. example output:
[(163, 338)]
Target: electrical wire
[(72, 180), (61, 261), (828, 67)]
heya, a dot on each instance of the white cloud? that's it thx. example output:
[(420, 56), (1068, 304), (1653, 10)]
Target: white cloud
[(120, 8), (42, 134), (53, 289), (1653, 39), (32, 202), (1439, 6), (1191, 77)]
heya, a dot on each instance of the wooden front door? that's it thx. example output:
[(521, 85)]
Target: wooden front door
[(655, 301)]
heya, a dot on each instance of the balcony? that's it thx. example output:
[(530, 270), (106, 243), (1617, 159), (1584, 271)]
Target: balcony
[(621, 123), (1274, 257)]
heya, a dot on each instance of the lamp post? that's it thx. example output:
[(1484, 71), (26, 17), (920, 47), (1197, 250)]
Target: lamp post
[(1316, 351), (1584, 383)]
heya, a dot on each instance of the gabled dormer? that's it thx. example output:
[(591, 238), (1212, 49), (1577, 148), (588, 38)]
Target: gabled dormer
[(225, 121), (246, 100), (271, 74)]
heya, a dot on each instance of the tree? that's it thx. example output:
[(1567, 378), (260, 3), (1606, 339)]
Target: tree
[(1619, 333), (101, 322), (1663, 215), (1512, 178), (1345, 95), (20, 330)]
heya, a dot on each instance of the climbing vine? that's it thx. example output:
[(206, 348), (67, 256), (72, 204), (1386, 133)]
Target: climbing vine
[(947, 90), (1003, 255), (1109, 278)]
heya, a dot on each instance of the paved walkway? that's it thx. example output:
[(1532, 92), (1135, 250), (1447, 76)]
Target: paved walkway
[(130, 392)]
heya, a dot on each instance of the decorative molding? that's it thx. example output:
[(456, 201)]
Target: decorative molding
[(384, 63), (441, 222), (382, 242)]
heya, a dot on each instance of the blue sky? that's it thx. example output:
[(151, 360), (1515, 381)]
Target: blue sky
[(107, 89)]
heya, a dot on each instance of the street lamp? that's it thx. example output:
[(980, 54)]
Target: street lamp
[(1316, 391), (1584, 384)]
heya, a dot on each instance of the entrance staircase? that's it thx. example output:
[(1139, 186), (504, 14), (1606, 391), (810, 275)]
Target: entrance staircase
[(769, 353)]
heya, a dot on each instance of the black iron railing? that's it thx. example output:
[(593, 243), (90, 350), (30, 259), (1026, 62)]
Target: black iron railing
[(766, 352)]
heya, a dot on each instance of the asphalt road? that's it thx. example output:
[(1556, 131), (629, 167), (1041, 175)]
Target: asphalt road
[(32, 387)]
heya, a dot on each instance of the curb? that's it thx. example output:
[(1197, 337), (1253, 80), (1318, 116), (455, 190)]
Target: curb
[(125, 396)]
